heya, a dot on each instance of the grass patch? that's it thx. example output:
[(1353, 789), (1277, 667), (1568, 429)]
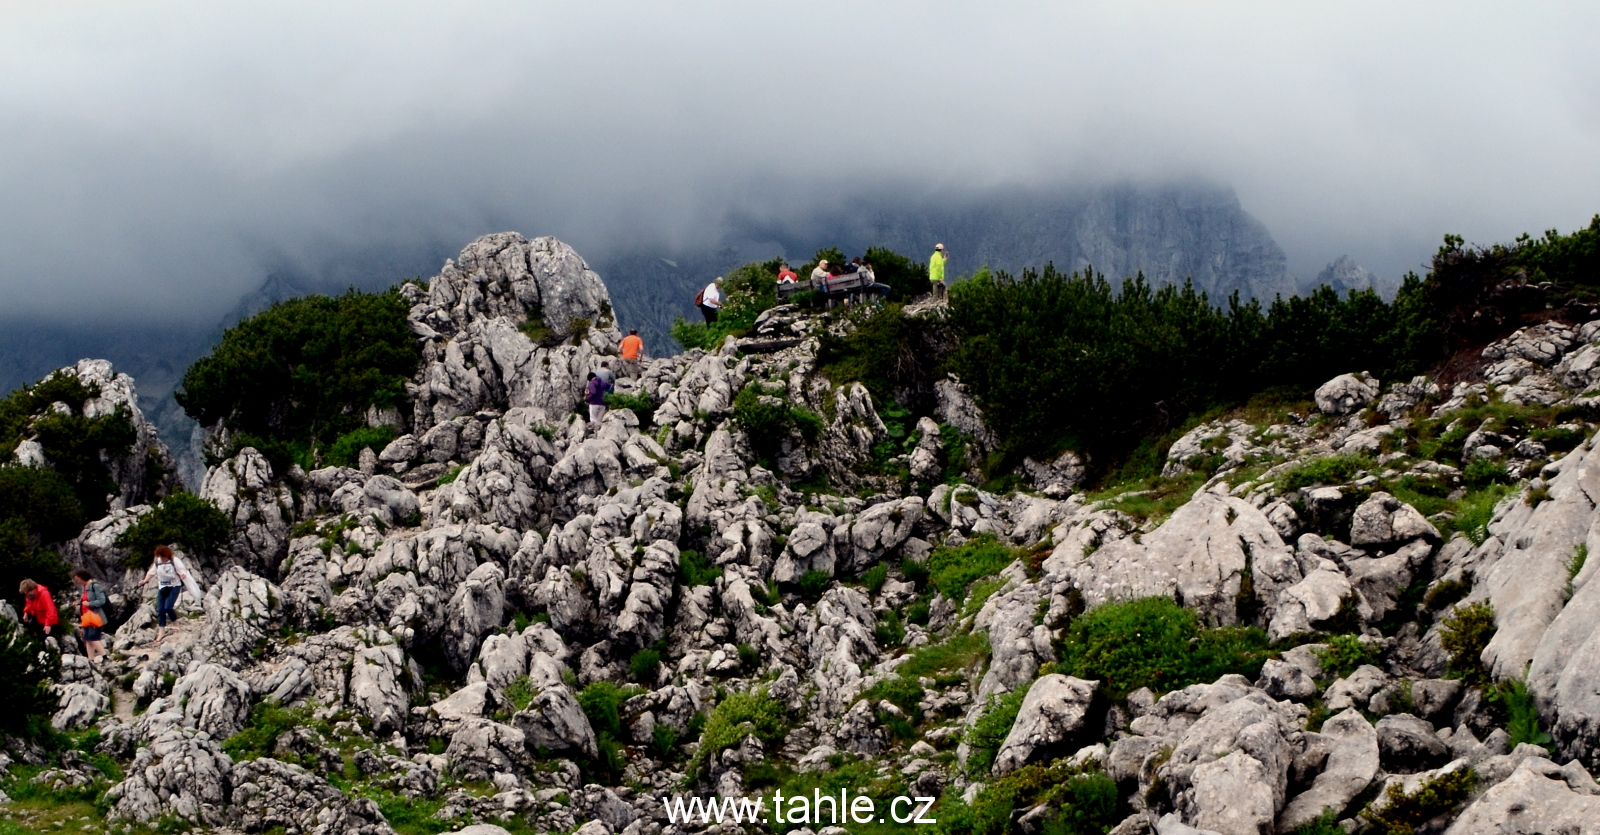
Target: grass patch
[(989, 732), (1476, 510), (952, 570), (1329, 469), (1151, 499), (1522, 715), (959, 653), (696, 570)]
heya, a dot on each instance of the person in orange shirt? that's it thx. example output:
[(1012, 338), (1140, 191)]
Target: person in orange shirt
[(632, 348)]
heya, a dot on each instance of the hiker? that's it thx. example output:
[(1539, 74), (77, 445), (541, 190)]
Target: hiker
[(38, 607), (632, 347), (821, 272), (863, 268), (786, 275), (594, 393), (604, 372), (936, 272), (710, 300), (92, 613), (170, 578)]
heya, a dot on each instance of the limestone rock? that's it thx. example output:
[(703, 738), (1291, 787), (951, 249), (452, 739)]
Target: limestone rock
[(1346, 393), (1352, 765), (1052, 713)]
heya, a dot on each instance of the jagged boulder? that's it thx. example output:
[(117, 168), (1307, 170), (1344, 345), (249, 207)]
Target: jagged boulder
[(214, 699), (1052, 713), (179, 773), (1351, 766), (262, 511), (268, 793), (1346, 393)]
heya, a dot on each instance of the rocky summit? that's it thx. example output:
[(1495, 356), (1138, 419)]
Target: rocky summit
[(1366, 611)]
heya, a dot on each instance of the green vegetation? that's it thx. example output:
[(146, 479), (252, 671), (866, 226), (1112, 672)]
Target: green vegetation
[(74, 444), (1331, 469), (1107, 366), (642, 406), (26, 673), (1474, 512), (1153, 642), (1343, 654), (952, 570), (696, 570), (303, 372), (1084, 801), (182, 519), (601, 702), (36, 506), (954, 656), (1464, 634), (520, 693), (1580, 555), (1326, 824), (1152, 498), (893, 355), (734, 718), (874, 578), (813, 583), (268, 721), (452, 474), (1405, 813), (989, 732), (346, 450), (644, 665), (767, 419), (1522, 714)]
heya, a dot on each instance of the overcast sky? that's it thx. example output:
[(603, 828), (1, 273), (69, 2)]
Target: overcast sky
[(156, 158)]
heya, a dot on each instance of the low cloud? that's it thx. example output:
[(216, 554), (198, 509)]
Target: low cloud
[(159, 159)]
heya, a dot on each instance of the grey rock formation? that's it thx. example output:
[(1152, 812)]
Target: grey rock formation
[(1346, 393), (1052, 712)]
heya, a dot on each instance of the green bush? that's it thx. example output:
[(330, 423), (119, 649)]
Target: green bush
[(36, 506), (451, 474), (640, 404), (889, 631), (1153, 642), (813, 583), (26, 673), (696, 570), (736, 717), (520, 693), (643, 666), (1343, 654), (989, 732), (1084, 802), (1326, 824), (951, 570), (899, 691), (1405, 813), (1482, 472), (182, 519), (1464, 634), (268, 721), (346, 450), (76, 446), (601, 702), (306, 369), (893, 355)]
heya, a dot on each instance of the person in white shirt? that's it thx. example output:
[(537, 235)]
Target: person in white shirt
[(711, 300)]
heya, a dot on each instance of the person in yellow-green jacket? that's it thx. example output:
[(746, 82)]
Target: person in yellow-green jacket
[(936, 272)]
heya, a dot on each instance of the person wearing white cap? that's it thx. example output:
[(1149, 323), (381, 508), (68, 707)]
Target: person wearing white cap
[(710, 300), (821, 271), (936, 272)]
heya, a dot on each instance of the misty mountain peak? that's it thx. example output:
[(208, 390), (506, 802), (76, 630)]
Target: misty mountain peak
[(1344, 275)]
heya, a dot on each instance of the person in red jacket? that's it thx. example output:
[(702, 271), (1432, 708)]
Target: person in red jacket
[(38, 605)]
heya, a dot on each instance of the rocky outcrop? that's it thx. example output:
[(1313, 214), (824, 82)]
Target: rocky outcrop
[(1052, 713)]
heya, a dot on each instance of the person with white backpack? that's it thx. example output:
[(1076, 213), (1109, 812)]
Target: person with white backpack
[(171, 576)]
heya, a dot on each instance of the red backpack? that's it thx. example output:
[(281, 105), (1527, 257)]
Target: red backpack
[(700, 297)]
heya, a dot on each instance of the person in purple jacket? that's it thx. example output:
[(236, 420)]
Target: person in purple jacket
[(594, 393)]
